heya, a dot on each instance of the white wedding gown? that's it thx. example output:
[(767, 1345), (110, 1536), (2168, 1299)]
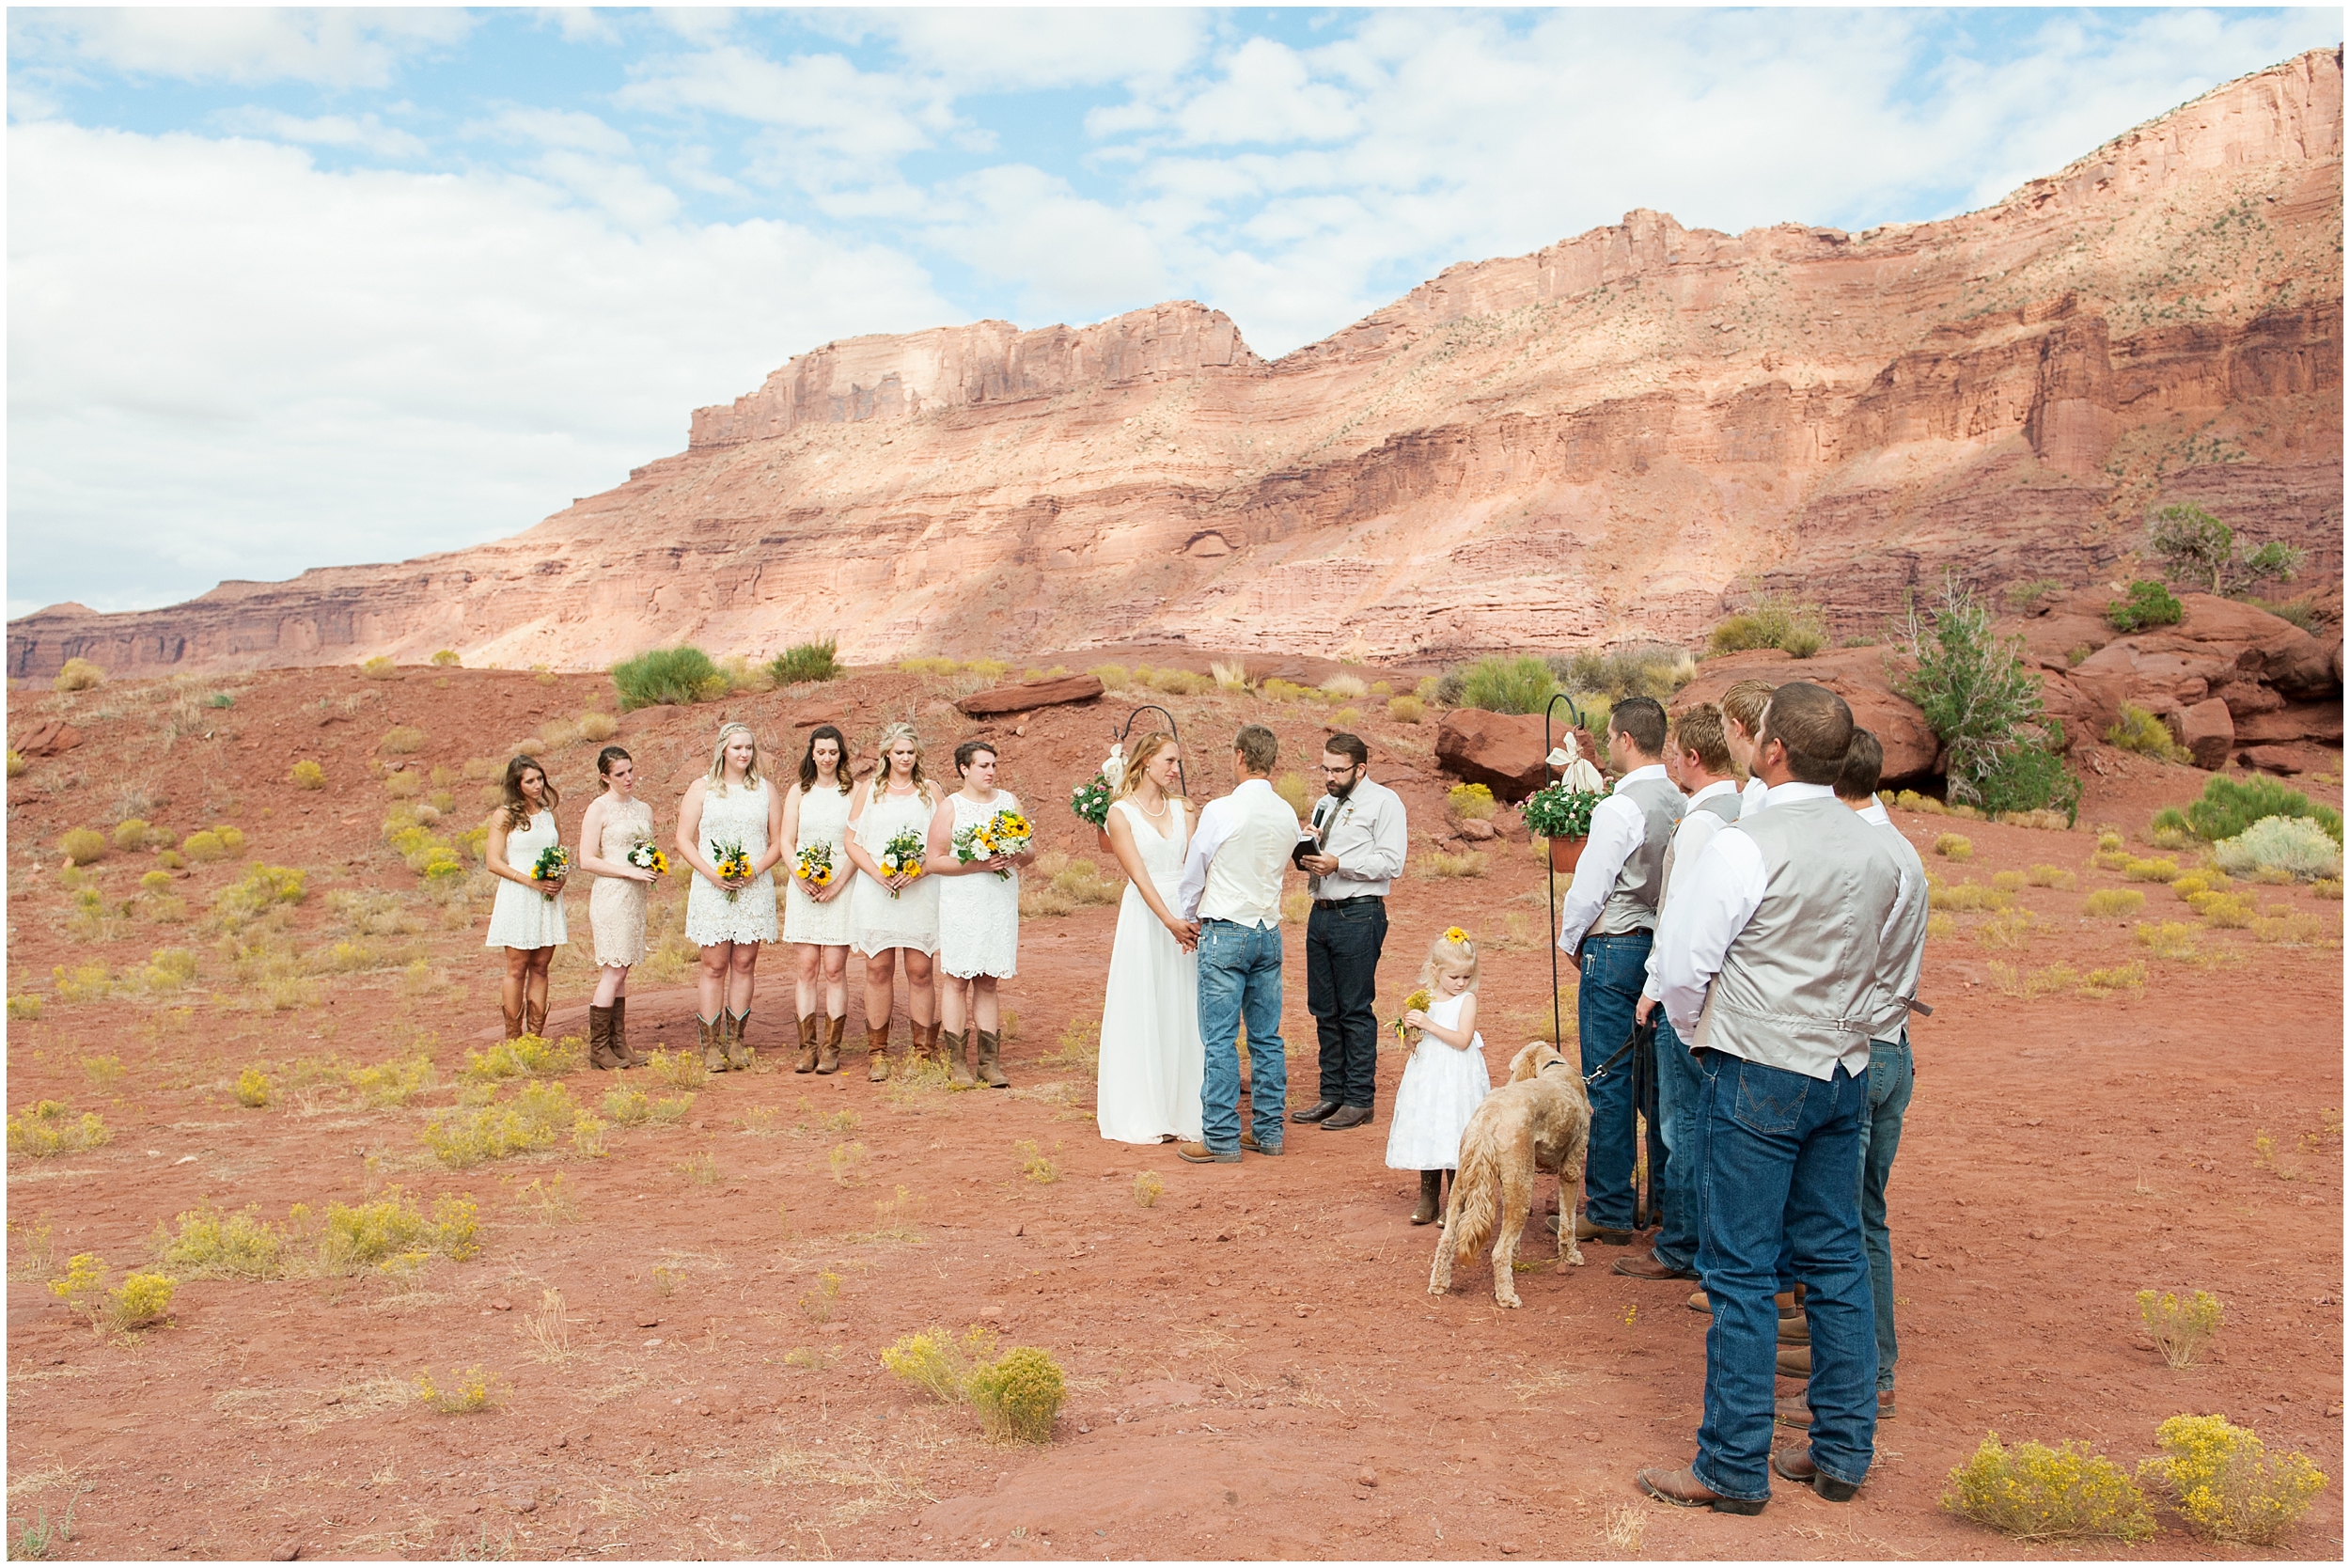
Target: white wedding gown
[(1152, 1058)]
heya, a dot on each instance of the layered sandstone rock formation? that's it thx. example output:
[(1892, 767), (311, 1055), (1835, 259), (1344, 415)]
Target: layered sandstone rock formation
[(1606, 441)]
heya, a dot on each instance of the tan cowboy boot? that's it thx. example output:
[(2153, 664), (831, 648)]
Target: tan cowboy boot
[(629, 1055), (600, 1053), (877, 1053), (958, 1071), (991, 1049), (806, 1062), (738, 1054), (535, 1019), (713, 1055), (513, 1021), (930, 1042)]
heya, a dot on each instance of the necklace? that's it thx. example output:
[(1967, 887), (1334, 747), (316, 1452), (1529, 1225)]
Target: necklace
[(1157, 815)]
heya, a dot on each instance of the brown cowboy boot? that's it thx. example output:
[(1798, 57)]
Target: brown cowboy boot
[(877, 1051), (535, 1019), (806, 1062), (833, 1027), (600, 1053), (713, 1055), (917, 1042), (957, 1071), (1431, 1191), (629, 1055), (991, 1049), (513, 1021), (930, 1048), (738, 1054)]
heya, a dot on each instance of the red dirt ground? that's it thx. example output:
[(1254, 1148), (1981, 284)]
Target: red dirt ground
[(1255, 1365)]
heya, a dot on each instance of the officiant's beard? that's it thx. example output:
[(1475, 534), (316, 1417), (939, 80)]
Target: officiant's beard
[(1341, 791)]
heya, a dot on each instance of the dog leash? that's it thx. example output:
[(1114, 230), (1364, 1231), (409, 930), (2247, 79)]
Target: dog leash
[(1621, 1051)]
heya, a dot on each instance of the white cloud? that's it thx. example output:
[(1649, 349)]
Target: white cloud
[(362, 132), (853, 118), (987, 49), (351, 48), (224, 362), (1072, 259)]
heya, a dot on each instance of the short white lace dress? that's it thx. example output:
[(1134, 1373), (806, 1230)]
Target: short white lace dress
[(736, 815), (1442, 1088), (823, 819), (978, 914), (878, 922), (520, 917)]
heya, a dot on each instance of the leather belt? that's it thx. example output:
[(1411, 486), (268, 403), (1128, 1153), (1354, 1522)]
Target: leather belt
[(1359, 898)]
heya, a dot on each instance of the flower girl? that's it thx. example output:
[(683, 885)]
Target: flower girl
[(1446, 1077)]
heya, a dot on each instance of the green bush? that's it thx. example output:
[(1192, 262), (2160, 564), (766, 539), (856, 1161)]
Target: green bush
[(2294, 845), (1773, 621), (2231, 805), (1499, 685), (2149, 604), (1984, 703), (2196, 547), (807, 660), (1648, 670), (2034, 778), (2141, 732), (1019, 1396), (670, 675)]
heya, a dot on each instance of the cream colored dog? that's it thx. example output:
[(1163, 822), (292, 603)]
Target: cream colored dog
[(1541, 1119)]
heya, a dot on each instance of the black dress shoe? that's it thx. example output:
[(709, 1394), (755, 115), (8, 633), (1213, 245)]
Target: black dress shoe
[(1345, 1117), (1315, 1112)]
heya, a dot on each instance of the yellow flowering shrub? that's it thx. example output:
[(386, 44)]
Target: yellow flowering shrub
[(2224, 1483), (2035, 1492)]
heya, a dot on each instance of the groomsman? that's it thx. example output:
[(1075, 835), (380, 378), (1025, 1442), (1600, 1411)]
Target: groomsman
[(1606, 923), (1742, 719), (1771, 966), (1355, 848)]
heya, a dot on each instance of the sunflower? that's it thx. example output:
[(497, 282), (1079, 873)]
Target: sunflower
[(1455, 935)]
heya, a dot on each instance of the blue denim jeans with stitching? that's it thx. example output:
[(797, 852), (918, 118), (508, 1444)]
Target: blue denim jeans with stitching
[(1891, 1077), (1678, 1084), (1240, 982), (1777, 1161), (1614, 969)]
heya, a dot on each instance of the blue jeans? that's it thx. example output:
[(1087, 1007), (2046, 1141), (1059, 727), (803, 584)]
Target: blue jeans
[(1240, 982), (1891, 1077), (1614, 970), (1777, 1162), (1678, 1084)]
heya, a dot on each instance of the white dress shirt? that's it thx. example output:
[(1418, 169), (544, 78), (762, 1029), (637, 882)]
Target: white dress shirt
[(1875, 815), (1755, 796), (1714, 907), (1616, 829), (1696, 831), (1256, 830), (1367, 834), (1900, 966)]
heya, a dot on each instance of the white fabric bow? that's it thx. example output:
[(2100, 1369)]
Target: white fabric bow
[(1114, 765), (1575, 772)]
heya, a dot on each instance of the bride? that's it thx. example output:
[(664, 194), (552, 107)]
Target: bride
[(1152, 1058)]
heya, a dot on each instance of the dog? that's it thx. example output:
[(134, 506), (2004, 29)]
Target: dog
[(1541, 1119)]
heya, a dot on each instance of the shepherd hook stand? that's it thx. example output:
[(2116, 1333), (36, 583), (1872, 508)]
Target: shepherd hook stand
[(1181, 787), (1558, 1028)]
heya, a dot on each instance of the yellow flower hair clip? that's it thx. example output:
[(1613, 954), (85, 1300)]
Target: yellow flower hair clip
[(1458, 937)]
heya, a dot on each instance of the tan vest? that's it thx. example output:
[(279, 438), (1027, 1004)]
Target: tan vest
[(1640, 885), (1244, 876)]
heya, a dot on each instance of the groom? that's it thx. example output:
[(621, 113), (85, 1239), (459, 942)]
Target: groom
[(1231, 895)]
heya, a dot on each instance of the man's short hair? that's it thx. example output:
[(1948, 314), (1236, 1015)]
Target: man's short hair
[(1257, 747), (1743, 702), (1699, 729), (1348, 746), (1641, 721), (1864, 767), (1816, 728)]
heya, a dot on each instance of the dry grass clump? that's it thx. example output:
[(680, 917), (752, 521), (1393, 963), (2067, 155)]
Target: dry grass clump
[(1034, 1164), (2144, 733), (2171, 939), (529, 1057), (1147, 1189), (78, 675), (1941, 928), (209, 1244), (1955, 846), (141, 1301), (2100, 984), (2109, 901), (848, 1162), (2160, 869), (468, 1392), (2035, 1493), (83, 846), (1440, 863), (2223, 1483), (1058, 884), (1078, 1048), (48, 1127), (2054, 981), (2010, 882), (306, 774), (401, 739), (2008, 931), (1471, 802), (1967, 898), (1231, 678), (680, 1069), (2180, 1328), (1290, 787), (391, 1231), (17, 764), (1408, 709), (597, 727), (2045, 875), (536, 1115), (937, 1363), (2289, 928), (254, 1090)]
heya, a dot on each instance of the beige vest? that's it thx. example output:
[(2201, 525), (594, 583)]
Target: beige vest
[(1725, 805), (1640, 885), (1904, 952), (1244, 876), (1798, 989)]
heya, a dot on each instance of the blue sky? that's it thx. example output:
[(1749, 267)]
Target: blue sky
[(292, 288)]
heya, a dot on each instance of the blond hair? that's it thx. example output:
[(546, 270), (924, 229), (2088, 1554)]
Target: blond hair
[(890, 735), (1743, 704), (718, 756), (1145, 749), (1448, 957)]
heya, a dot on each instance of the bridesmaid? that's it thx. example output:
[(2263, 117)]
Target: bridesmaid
[(528, 918), (978, 917), (617, 823), (890, 916), (816, 916), (728, 918)]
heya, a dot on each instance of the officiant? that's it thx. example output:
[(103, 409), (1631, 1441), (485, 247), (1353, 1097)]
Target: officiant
[(1352, 849)]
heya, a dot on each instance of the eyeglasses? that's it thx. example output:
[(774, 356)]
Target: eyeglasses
[(1350, 767)]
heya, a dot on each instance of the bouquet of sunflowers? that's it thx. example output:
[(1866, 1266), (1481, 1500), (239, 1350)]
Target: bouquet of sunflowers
[(1005, 833), (554, 861), (816, 865), (902, 856), (1417, 1002), (732, 860), (647, 856)]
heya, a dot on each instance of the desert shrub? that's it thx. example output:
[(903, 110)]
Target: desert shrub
[(203, 846), (2326, 887), (254, 1089), (378, 668), (206, 1243), (1176, 682), (1019, 1395), (1438, 863), (1984, 702), (306, 774), (1279, 690), (2108, 901), (445, 658), (1147, 1189), (1953, 846), (1773, 621), (78, 675), (2141, 732), (529, 1056), (680, 675), (2296, 846), (1941, 928), (83, 846), (937, 1363), (1290, 787), (533, 1119), (87, 983), (2284, 926), (468, 1393), (2045, 875), (1114, 677), (2178, 1329), (1058, 884), (2009, 930), (263, 887), (2224, 1483), (2229, 805), (2010, 882), (2156, 869), (1646, 670), (2226, 911), (678, 1070), (2170, 939), (807, 660), (393, 1083), (1967, 898), (2149, 604), (1345, 688), (2035, 1493), (391, 1228), (2197, 548), (1407, 710), (130, 835), (46, 1127), (1499, 685), (401, 739), (1471, 802), (156, 881), (17, 764), (597, 727), (141, 1301), (2099, 983)]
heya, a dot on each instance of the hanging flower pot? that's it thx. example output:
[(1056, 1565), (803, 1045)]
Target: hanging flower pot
[(1102, 837), (1566, 854)]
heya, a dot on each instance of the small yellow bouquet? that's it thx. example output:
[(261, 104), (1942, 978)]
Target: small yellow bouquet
[(1417, 1002), (816, 865), (1005, 833), (646, 856), (730, 861), (903, 855)]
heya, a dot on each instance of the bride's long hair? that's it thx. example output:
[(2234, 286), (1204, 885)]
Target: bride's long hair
[(1145, 749)]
